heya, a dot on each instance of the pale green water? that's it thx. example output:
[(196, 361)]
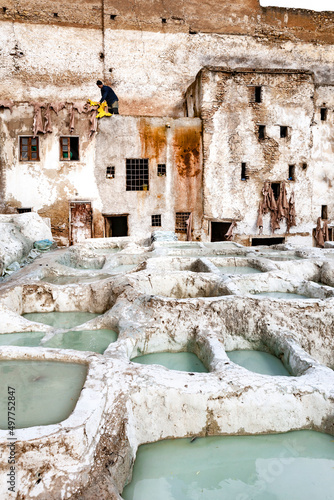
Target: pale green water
[(282, 295), (68, 280), (25, 339), (182, 361), (46, 392), (238, 270), (124, 268), (61, 319), (292, 466), (258, 362), (84, 340)]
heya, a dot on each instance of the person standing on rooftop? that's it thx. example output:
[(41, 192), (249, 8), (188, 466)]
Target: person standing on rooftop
[(109, 96)]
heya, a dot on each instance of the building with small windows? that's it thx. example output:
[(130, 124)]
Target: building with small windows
[(202, 130)]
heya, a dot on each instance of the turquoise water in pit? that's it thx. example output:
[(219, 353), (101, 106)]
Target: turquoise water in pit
[(297, 465), (68, 280), (258, 362), (182, 361), (61, 319), (46, 392), (282, 295), (238, 270), (25, 339), (84, 340)]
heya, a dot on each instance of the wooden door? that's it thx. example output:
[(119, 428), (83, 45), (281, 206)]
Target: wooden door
[(80, 221)]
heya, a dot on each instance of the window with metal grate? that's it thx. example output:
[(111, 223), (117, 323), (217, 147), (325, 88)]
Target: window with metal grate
[(137, 175), (156, 220), (181, 221)]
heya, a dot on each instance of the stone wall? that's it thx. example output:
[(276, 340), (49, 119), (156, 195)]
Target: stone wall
[(231, 120), (48, 185)]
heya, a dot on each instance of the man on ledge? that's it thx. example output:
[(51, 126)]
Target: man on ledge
[(109, 96)]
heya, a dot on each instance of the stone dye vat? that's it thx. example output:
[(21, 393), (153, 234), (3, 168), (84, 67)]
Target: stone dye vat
[(46, 392), (83, 340), (258, 362), (282, 295), (61, 319), (25, 339), (238, 270), (69, 280), (182, 361), (295, 465)]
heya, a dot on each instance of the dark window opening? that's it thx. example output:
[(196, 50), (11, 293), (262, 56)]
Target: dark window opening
[(23, 210), (29, 149), (323, 114), (192, 32), (324, 212), (55, 14), (219, 230), (101, 55), (156, 220), (164, 20), (69, 148), (113, 16), (244, 175), (292, 172), (181, 221), (304, 166), (283, 132), (258, 94), (110, 173), (262, 131), (162, 169), (4, 9), (330, 234), (116, 226), (267, 241), (137, 174), (276, 187)]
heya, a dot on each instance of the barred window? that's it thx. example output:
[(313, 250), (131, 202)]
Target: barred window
[(256, 94), (110, 173), (29, 149), (181, 221), (161, 169), (23, 210), (69, 148), (137, 178), (156, 220)]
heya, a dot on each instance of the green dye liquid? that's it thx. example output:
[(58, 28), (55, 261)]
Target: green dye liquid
[(181, 361), (293, 466), (25, 339), (282, 295), (258, 362), (46, 392), (61, 319), (238, 270), (85, 340), (68, 280)]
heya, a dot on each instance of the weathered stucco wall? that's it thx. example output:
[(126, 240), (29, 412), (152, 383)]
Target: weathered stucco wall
[(149, 71), (243, 17), (175, 143), (49, 184), (231, 119)]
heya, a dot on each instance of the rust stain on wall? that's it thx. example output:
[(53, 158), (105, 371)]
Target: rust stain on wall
[(186, 146), (153, 140)]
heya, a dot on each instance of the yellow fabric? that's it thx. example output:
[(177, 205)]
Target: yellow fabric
[(102, 110)]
